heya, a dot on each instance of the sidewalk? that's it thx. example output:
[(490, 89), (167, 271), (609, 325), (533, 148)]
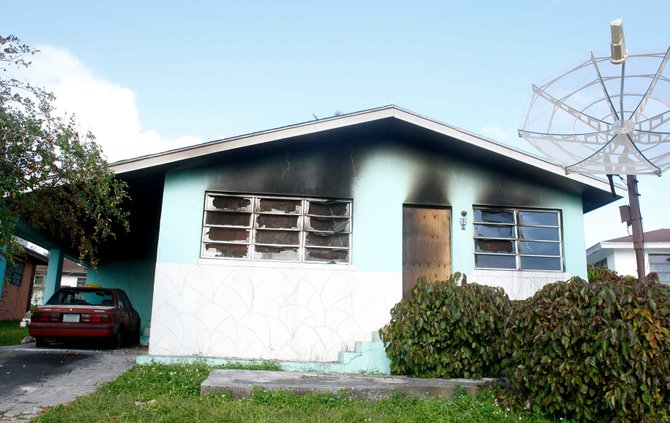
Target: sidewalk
[(34, 379)]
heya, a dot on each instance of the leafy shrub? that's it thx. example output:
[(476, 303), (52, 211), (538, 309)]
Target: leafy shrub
[(448, 330), (605, 275), (593, 351)]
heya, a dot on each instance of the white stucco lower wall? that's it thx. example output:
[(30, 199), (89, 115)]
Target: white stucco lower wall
[(268, 310), (517, 285)]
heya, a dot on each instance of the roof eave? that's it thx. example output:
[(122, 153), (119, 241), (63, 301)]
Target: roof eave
[(171, 157)]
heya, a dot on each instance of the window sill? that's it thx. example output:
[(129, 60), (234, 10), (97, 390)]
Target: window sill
[(493, 269), (275, 264)]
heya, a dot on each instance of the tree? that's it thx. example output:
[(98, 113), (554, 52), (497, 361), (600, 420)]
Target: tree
[(52, 177)]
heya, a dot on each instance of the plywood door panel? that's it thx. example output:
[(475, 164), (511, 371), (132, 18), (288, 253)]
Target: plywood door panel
[(426, 245)]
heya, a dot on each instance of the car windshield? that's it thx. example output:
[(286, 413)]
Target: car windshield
[(92, 297)]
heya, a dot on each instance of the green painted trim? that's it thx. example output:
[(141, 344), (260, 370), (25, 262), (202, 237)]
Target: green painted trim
[(3, 266), (368, 357), (288, 366)]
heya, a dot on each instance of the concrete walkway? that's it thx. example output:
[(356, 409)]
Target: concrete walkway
[(34, 379), (239, 384)]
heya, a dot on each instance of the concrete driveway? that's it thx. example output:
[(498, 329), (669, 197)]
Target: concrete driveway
[(33, 379)]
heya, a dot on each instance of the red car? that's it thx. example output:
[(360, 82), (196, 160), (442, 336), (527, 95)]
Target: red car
[(86, 313)]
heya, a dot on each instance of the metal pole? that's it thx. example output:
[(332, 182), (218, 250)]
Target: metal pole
[(636, 223)]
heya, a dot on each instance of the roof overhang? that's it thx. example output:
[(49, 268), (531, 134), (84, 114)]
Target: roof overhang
[(595, 192)]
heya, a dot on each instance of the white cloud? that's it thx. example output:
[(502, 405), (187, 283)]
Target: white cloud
[(107, 109)]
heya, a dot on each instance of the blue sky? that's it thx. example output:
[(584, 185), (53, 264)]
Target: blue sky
[(165, 74)]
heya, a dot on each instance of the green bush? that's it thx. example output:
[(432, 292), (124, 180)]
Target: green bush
[(593, 351), (447, 330)]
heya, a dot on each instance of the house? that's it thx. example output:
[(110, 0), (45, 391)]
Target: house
[(24, 282), (16, 288), (618, 254), (73, 274), (296, 242)]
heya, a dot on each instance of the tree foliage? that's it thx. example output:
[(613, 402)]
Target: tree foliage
[(52, 177)]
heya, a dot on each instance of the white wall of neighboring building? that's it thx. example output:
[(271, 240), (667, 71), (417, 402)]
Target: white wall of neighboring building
[(623, 261), (620, 256), (69, 281)]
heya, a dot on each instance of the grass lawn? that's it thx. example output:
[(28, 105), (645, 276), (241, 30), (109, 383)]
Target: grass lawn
[(171, 393), (11, 333)]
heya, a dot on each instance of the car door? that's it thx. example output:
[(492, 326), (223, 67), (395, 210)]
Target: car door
[(124, 311), (133, 316)]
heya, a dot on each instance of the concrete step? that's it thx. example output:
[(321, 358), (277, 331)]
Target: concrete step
[(240, 383), (366, 357)]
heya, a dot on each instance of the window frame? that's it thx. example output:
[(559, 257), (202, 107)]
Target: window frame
[(516, 239), (15, 273), (302, 228), (663, 259)]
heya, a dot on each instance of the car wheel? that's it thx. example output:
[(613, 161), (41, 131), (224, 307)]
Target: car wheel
[(40, 342), (135, 336), (117, 339)]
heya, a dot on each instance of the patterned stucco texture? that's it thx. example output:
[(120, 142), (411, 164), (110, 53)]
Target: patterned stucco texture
[(281, 313)]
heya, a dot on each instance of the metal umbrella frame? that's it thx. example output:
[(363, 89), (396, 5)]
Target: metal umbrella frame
[(607, 116), (615, 123)]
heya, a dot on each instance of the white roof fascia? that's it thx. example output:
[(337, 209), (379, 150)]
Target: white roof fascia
[(594, 249), (335, 122), (628, 245)]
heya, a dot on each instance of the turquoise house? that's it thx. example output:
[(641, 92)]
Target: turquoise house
[(293, 244)]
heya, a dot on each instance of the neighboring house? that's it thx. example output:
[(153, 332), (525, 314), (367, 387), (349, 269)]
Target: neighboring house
[(24, 283), (618, 254), (74, 274), (293, 243), (17, 285)]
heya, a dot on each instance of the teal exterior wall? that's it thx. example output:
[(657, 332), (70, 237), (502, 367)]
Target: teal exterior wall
[(181, 216), (380, 175), (54, 272), (136, 278)]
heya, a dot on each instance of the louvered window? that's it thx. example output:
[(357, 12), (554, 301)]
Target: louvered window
[(517, 239), (276, 228)]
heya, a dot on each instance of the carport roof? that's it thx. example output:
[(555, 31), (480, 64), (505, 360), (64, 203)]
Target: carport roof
[(595, 192)]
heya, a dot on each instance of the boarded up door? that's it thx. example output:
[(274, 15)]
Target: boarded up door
[(426, 245)]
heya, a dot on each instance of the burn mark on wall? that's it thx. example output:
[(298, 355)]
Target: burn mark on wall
[(321, 167), (429, 187), (504, 191), (320, 171)]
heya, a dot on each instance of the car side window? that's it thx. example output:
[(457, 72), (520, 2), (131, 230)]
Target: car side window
[(126, 300), (121, 300)]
